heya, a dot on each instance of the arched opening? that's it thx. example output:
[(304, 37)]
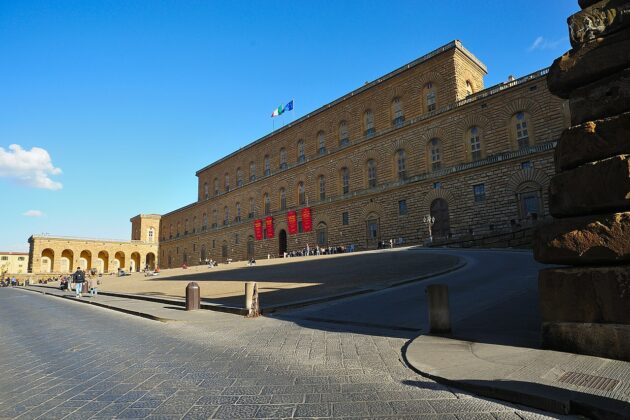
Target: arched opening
[(373, 232), (102, 262), (250, 247), (67, 257), (224, 250), (529, 199), (282, 242), (322, 234), (85, 260), (202, 254), (442, 225), (119, 260), (48, 261), (150, 261), (134, 263)]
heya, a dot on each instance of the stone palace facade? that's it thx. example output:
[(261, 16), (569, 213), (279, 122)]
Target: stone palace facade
[(426, 139)]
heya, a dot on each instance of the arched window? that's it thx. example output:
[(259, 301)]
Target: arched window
[(267, 203), (321, 142), (435, 153), (301, 194), (401, 164), (300, 152), (215, 218), (239, 177), (186, 227), (397, 112), (343, 133), (178, 228), (150, 234), (521, 127), (322, 187), (194, 224), (431, 97), (345, 180), (226, 215), (529, 198), (216, 186), (238, 212), (205, 190), (371, 173), (283, 199), (227, 182), (252, 171), (267, 166), (252, 208), (170, 232), (474, 143), (283, 158), (204, 225), (469, 88), (368, 123)]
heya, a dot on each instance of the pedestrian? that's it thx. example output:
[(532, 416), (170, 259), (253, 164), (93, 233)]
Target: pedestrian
[(93, 285), (78, 278)]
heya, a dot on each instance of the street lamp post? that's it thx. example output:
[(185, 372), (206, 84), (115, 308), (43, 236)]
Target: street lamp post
[(429, 221)]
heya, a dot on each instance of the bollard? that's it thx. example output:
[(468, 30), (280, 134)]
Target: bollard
[(251, 299), (439, 312), (193, 297)]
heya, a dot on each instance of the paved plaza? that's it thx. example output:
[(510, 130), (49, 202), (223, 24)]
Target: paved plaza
[(282, 281), (62, 359)]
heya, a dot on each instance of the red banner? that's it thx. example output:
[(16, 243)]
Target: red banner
[(269, 226), (292, 222), (307, 222), (258, 233)]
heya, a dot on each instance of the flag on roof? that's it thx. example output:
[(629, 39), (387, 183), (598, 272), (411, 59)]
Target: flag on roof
[(288, 107), (277, 111)]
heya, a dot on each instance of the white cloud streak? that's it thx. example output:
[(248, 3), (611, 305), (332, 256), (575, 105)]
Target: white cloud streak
[(31, 168), (540, 43), (33, 213)]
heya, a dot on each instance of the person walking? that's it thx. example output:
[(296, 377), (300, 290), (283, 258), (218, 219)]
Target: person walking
[(93, 285), (78, 278)]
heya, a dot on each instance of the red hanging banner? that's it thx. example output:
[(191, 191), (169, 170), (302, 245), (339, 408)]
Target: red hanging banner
[(307, 222), (258, 229), (292, 222), (269, 226)]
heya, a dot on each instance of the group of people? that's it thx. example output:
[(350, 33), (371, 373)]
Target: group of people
[(12, 281), (79, 278), (318, 251)]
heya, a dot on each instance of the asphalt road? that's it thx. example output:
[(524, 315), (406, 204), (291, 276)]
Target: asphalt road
[(62, 359)]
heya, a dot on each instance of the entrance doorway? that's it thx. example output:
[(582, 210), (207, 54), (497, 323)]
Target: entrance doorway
[(442, 225), (282, 243), (373, 233)]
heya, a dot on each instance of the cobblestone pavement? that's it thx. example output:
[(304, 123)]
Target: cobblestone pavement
[(61, 359)]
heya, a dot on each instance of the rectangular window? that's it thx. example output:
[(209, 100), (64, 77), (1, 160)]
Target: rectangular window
[(20, 258), (526, 165), (300, 226), (402, 207), (5, 258), (437, 185), (345, 218), (480, 192)]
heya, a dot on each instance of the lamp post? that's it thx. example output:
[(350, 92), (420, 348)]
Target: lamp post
[(429, 221)]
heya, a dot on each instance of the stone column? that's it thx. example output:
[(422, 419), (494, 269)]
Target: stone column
[(585, 307)]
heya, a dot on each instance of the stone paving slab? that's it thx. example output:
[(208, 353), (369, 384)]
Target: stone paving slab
[(550, 380)]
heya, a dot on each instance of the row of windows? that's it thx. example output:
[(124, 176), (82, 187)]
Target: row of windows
[(520, 124)]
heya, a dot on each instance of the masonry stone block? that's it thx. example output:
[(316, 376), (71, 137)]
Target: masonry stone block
[(592, 61), (598, 239), (605, 98), (585, 294), (597, 20), (602, 340), (586, 3), (597, 187), (592, 141)]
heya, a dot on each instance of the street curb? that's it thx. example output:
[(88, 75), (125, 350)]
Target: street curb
[(102, 305), (595, 407), (272, 309)]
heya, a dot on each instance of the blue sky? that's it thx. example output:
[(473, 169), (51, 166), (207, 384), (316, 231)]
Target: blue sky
[(124, 100)]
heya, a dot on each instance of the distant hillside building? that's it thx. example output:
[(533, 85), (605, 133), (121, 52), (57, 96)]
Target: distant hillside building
[(423, 140)]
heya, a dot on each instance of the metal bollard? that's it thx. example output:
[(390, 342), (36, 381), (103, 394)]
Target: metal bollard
[(251, 299), (193, 296), (439, 312)]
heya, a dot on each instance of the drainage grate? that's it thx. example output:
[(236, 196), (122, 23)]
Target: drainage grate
[(589, 381)]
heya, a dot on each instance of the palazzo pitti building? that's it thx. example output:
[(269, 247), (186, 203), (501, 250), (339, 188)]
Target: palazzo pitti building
[(424, 139)]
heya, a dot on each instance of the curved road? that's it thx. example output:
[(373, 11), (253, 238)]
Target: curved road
[(61, 359)]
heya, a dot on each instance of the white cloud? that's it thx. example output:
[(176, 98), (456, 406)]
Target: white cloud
[(540, 43), (31, 168), (33, 213)]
